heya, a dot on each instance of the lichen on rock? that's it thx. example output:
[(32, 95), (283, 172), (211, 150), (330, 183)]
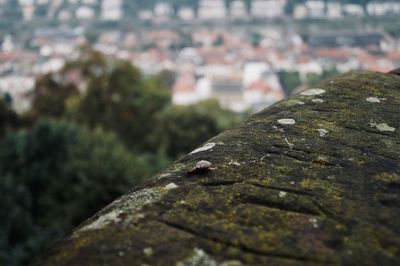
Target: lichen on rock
[(132, 203), (322, 190)]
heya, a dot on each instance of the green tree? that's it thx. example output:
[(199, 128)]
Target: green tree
[(50, 96), (182, 128), (328, 73), (54, 177), (116, 96), (125, 102), (312, 79), (90, 64), (289, 80), (9, 120), (167, 78)]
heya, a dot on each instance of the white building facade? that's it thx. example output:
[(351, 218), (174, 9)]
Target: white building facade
[(268, 8), (111, 10), (212, 10)]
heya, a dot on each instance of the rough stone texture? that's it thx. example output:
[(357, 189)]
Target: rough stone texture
[(320, 187)]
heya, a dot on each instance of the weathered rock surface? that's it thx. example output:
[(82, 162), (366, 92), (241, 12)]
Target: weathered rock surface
[(314, 179)]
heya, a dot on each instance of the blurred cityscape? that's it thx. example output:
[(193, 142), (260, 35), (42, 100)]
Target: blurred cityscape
[(97, 96), (247, 54)]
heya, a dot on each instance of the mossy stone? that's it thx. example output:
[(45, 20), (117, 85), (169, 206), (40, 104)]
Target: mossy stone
[(323, 188)]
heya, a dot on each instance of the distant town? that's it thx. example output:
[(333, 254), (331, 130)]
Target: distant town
[(247, 54)]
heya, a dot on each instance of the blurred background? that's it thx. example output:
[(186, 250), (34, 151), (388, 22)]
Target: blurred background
[(98, 95)]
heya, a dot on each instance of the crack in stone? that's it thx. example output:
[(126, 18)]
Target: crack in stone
[(241, 247)]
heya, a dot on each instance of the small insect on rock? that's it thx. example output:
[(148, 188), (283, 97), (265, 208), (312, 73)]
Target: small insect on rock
[(201, 167)]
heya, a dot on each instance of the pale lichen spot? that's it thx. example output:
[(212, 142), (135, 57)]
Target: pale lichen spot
[(349, 252), (322, 158), (278, 129), (111, 217), (205, 147), (282, 194), (373, 100), (164, 175), (140, 215), (382, 127), (233, 162), (148, 251), (322, 132), (171, 186), (203, 164), (291, 145), (314, 222), (287, 121), (176, 168), (313, 92), (199, 257), (116, 97), (318, 100), (131, 203)]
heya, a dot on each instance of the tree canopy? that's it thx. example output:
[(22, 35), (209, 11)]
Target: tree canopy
[(96, 129), (53, 177)]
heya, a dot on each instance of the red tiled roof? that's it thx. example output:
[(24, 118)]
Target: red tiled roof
[(333, 53), (261, 86), (185, 83), (8, 56)]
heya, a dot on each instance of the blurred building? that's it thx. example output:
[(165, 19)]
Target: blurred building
[(315, 8), (7, 44), (238, 10), (334, 10), (268, 8), (84, 13), (28, 9), (300, 12), (184, 90), (260, 94), (353, 10), (186, 13), (111, 10), (376, 8), (163, 11), (18, 87), (212, 10), (229, 92)]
